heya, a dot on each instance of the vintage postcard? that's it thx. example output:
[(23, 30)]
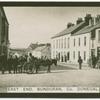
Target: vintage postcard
[(49, 49)]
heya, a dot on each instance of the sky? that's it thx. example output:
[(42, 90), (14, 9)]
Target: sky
[(38, 24)]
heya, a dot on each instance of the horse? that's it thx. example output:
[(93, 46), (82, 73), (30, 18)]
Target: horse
[(34, 65), (46, 63)]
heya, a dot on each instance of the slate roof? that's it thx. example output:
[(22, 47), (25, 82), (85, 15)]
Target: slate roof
[(87, 29), (68, 30)]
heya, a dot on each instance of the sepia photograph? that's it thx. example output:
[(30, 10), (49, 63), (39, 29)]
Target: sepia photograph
[(49, 49)]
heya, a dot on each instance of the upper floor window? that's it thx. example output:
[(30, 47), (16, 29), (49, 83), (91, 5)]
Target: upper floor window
[(59, 43), (99, 35), (68, 42), (79, 42), (65, 43), (78, 53), (84, 41), (93, 35), (62, 43)]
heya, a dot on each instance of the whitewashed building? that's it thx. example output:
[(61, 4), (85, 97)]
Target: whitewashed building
[(42, 51), (81, 39)]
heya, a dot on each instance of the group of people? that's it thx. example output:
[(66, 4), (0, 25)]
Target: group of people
[(25, 63), (93, 62)]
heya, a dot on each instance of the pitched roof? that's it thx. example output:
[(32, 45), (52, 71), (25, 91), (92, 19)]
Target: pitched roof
[(87, 29), (32, 46), (68, 30), (40, 48)]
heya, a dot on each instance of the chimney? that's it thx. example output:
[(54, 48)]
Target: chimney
[(70, 25), (97, 19), (88, 18), (92, 22), (79, 20)]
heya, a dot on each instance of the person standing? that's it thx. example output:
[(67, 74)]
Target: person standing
[(15, 64), (80, 61), (98, 63), (94, 61)]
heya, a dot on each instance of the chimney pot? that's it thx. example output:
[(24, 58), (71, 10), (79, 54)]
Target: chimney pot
[(79, 20), (88, 18), (70, 25)]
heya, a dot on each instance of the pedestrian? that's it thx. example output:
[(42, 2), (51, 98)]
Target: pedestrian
[(49, 63), (15, 64), (29, 60), (98, 63), (80, 61), (94, 61)]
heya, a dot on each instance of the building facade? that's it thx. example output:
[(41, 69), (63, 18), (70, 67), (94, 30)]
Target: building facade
[(42, 52), (4, 35), (82, 39)]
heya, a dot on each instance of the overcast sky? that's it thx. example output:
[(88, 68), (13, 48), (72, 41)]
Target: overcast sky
[(38, 24)]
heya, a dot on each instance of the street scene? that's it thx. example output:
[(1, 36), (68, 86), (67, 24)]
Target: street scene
[(49, 47)]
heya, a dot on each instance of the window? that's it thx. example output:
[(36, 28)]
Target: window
[(92, 52), (84, 41), (62, 57), (93, 35), (65, 58), (68, 42), (79, 41), (56, 54), (84, 55), (99, 35), (59, 43), (68, 55), (65, 43), (62, 43), (92, 43), (59, 56), (74, 42), (78, 53), (73, 54)]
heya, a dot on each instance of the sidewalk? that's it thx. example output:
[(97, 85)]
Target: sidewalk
[(74, 66)]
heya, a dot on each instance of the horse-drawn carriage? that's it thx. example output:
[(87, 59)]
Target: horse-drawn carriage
[(29, 64)]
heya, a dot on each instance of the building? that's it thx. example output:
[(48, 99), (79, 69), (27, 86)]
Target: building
[(31, 47), (42, 51), (4, 35), (81, 39), (17, 51)]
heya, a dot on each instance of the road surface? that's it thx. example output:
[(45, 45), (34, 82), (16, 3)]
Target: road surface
[(65, 77)]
